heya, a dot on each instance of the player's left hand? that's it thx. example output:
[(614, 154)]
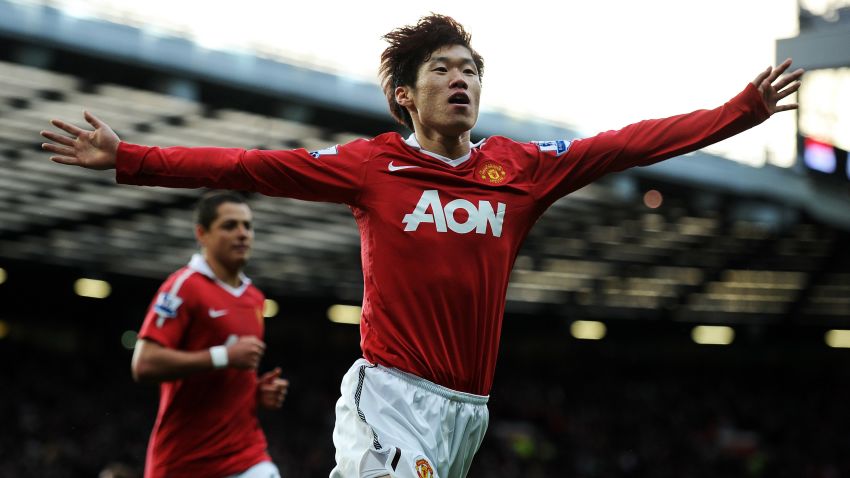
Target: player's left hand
[(271, 389), (773, 88)]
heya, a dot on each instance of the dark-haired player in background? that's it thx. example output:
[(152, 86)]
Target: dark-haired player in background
[(441, 222), (202, 341)]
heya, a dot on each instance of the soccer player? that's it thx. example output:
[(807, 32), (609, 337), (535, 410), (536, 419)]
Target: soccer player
[(441, 221), (201, 340)]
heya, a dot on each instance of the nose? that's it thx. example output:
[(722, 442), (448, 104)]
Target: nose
[(457, 80)]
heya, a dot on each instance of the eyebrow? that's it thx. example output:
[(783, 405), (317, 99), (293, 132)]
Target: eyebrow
[(446, 59)]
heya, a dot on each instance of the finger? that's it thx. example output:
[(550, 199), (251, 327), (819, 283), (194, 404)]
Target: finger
[(253, 340), (65, 160), (58, 148), (788, 79), (788, 107), (93, 120), (59, 138), (788, 91), (271, 377), (779, 70), (67, 127), (761, 77)]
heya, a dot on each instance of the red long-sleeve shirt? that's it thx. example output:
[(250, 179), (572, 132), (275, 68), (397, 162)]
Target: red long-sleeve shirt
[(438, 241)]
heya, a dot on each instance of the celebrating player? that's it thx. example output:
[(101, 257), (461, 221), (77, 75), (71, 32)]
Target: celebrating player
[(202, 341), (441, 221)]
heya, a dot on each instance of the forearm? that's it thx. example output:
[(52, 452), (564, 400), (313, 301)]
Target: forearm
[(656, 140), (289, 173), (155, 363), (650, 141), (182, 167)]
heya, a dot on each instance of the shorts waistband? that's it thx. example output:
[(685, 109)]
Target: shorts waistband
[(440, 390)]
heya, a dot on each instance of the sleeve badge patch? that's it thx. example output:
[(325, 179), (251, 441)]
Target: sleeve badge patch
[(324, 152), (166, 306), (558, 147)]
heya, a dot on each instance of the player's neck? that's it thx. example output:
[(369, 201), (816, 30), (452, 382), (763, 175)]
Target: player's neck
[(225, 274), (451, 147)]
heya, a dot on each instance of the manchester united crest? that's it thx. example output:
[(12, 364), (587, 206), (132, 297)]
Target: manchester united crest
[(492, 172), (423, 469)]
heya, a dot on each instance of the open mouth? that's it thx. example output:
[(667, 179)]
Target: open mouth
[(459, 99)]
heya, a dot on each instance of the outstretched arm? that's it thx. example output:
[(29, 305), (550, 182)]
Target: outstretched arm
[(334, 174), (650, 141), (89, 149)]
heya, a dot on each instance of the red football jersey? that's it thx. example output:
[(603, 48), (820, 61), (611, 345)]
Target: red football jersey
[(439, 238), (207, 423)]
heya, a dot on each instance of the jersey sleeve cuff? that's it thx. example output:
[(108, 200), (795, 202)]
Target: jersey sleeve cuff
[(750, 100), (128, 162)]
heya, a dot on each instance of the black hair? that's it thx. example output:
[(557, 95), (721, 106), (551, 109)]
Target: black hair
[(206, 211)]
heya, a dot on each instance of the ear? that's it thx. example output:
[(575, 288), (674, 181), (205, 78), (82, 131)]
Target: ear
[(200, 233), (403, 96)]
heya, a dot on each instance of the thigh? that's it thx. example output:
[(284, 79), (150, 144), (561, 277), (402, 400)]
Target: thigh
[(471, 422), (352, 436), (375, 433)]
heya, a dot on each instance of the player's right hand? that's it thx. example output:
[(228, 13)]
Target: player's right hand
[(89, 149), (246, 353)]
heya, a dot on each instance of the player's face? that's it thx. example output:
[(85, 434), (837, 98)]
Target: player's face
[(229, 238), (447, 92)]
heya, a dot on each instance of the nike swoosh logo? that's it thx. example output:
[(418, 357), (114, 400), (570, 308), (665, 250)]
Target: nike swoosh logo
[(392, 167), (217, 313)]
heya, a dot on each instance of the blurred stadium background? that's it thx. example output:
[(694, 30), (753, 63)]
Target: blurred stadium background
[(691, 319)]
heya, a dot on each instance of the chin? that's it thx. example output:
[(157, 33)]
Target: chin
[(240, 261), (459, 127)]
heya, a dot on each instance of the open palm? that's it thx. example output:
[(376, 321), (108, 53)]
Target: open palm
[(773, 88), (89, 149)]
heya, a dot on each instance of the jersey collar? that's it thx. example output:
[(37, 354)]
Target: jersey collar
[(414, 143), (200, 265)]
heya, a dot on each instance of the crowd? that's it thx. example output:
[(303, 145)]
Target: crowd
[(581, 410)]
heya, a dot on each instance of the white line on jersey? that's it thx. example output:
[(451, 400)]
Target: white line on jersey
[(217, 313), (393, 167)]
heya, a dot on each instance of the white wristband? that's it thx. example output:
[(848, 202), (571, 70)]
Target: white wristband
[(218, 354)]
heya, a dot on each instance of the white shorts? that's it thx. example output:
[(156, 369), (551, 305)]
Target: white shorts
[(389, 422), (263, 469)]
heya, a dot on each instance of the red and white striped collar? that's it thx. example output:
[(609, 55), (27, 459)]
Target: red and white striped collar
[(200, 265), (414, 143)]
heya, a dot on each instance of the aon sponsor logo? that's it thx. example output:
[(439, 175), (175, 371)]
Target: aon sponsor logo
[(479, 218)]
